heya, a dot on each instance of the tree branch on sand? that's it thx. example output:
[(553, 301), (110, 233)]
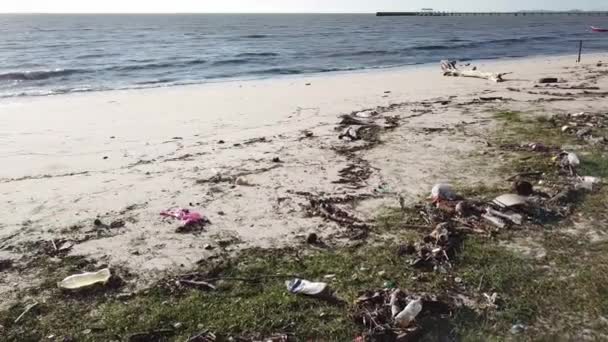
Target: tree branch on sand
[(449, 68)]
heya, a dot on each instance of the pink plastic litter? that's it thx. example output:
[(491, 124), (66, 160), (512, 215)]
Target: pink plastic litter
[(186, 216)]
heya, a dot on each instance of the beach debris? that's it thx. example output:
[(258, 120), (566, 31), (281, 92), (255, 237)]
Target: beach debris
[(200, 284), (380, 313), (569, 161), (305, 287), (449, 68), (86, 279), (517, 329), (523, 188), (405, 318), (514, 217), (204, 336), (548, 80), (186, 216), (498, 222), (65, 246), (442, 192), (510, 200), (573, 159), (587, 183), (463, 208), (27, 309)]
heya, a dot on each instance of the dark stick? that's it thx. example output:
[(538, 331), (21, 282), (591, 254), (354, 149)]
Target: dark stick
[(580, 50)]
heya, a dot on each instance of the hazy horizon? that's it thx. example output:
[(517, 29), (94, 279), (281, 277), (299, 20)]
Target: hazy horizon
[(288, 6)]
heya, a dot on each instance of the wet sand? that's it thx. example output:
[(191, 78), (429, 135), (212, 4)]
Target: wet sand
[(127, 155)]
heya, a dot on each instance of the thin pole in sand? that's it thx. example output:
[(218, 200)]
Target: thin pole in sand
[(580, 50)]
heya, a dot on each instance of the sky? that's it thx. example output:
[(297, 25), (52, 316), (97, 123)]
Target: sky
[(287, 6)]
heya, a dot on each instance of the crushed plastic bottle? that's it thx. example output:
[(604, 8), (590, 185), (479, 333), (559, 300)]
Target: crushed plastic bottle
[(85, 279), (407, 316)]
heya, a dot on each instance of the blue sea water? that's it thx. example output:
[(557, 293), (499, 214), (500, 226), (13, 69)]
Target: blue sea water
[(54, 54)]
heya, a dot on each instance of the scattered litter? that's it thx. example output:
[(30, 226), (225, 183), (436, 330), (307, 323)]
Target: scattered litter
[(587, 183), (205, 336), (573, 160), (510, 200), (188, 218), (442, 192), (305, 287), (515, 218), (518, 329), (65, 246), (405, 318), (498, 222), (86, 279)]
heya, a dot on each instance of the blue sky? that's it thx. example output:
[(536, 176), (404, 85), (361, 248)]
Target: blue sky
[(291, 5)]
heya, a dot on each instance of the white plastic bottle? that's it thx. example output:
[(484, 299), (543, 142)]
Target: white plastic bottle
[(405, 317)]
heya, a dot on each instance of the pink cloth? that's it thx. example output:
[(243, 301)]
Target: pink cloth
[(186, 216)]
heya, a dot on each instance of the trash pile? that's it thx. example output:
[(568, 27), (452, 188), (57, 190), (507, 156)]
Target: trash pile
[(393, 315), (585, 126), (452, 216)]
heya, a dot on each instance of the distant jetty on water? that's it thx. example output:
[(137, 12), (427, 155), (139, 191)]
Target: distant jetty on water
[(427, 13)]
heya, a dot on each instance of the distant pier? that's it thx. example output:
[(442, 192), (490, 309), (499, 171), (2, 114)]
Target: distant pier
[(459, 14)]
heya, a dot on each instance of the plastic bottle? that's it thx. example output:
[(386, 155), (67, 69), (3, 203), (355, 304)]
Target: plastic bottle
[(405, 317)]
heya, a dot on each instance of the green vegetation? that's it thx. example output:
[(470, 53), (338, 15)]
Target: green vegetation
[(561, 296)]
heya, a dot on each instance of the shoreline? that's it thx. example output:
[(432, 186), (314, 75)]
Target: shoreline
[(379, 69)]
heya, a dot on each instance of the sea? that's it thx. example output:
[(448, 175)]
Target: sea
[(56, 54)]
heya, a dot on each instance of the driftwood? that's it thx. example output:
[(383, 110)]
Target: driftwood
[(449, 68)]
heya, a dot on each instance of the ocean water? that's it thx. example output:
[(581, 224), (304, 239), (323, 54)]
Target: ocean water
[(55, 54)]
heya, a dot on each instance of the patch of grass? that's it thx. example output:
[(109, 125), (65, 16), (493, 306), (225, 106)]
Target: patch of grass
[(509, 116), (258, 307), (594, 163)]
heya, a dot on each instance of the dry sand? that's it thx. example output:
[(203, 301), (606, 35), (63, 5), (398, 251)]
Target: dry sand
[(127, 155)]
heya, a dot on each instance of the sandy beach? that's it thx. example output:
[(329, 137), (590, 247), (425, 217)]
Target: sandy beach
[(125, 156)]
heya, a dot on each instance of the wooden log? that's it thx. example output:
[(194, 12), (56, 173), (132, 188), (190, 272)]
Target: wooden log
[(449, 68)]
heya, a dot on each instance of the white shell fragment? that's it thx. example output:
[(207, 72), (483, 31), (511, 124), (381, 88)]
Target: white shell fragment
[(510, 200), (86, 279)]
